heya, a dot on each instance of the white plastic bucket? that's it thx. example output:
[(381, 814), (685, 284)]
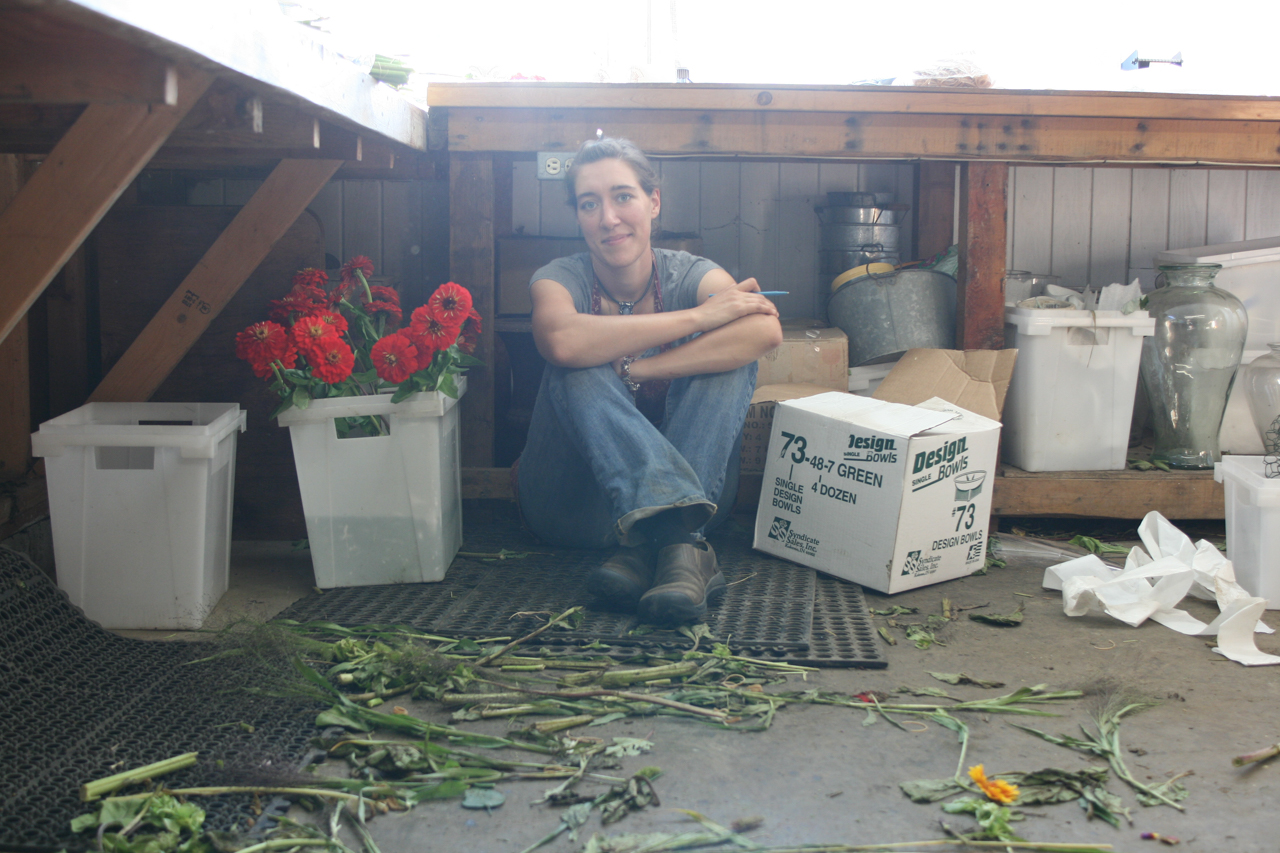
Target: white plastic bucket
[(386, 508), (140, 502), (1070, 399)]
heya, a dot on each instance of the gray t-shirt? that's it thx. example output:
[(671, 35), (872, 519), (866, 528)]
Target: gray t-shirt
[(679, 273)]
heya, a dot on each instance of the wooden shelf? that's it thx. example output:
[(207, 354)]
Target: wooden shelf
[(1107, 494)]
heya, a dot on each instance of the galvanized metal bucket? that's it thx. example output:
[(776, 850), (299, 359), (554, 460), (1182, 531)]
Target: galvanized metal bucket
[(886, 315), (861, 215), (849, 238), (852, 199), (831, 264)]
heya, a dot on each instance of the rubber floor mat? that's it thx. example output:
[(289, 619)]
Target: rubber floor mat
[(78, 703), (503, 584)]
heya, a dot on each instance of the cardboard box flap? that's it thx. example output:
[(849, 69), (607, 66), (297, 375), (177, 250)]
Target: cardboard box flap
[(976, 380), (964, 420), (878, 415), (787, 391)]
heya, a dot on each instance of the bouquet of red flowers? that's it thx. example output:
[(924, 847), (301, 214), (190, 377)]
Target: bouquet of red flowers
[(347, 340)]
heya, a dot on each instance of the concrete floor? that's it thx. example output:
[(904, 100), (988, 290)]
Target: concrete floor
[(820, 775)]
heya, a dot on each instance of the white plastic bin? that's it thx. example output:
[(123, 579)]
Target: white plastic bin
[(1071, 397), (140, 501), (1253, 525), (386, 508), (1251, 271)]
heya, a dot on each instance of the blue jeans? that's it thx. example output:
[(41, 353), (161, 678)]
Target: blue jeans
[(594, 465)]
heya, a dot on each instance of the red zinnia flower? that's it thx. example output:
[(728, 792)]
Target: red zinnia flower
[(310, 277), (427, 325), (395, 358), (263, 342), (359, 262), (332, 361), (385, 294), (309, 332), (391, 309), (426, 351), (263, 369), (301, 299), (333, 318), (451, 303)]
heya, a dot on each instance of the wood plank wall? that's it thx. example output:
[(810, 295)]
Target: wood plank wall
[(1102, 225), (1088, 225)]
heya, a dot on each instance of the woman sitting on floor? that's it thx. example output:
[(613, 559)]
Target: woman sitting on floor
[(634, 438)]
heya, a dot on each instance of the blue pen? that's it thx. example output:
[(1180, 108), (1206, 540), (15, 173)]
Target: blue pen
[(763, 293)]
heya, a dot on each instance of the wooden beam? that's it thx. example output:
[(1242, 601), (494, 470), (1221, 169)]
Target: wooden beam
[(82, 177), (1107, 494), (873, 135), (231, 116), (849, 99), (44, 59), (206, 290), (15, 368), (471, 264), (935, 205), (983, 217)]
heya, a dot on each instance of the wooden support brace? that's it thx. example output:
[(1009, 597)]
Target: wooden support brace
[(471, 264), (983, 214), (277, 204), (77, 183)]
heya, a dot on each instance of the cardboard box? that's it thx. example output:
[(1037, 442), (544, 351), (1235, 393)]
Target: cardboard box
[(893, 497), (977, 380), (520, 257), (811, 352), (759, 425)]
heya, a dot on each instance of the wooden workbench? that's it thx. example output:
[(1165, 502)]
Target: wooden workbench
[(982, 130)]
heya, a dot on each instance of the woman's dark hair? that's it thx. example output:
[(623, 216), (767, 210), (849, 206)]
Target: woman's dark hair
[(594, 150)]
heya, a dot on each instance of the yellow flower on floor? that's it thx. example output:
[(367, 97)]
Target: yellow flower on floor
[(996, 789)]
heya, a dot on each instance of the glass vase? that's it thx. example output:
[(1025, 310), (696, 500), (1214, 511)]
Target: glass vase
[(1261, 379), (1188, 365)]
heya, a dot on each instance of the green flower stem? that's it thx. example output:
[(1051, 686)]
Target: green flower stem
[(94, 790), (246, 789), (367, 292), (511, 645), (284, 843)]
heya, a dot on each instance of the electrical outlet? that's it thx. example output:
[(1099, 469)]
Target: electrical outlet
[(553, 164)]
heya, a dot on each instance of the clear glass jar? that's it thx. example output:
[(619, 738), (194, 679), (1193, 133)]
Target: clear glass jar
[(1188, 365), (1261, 380)]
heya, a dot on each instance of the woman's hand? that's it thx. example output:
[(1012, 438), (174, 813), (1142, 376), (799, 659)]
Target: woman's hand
[(731, 301)]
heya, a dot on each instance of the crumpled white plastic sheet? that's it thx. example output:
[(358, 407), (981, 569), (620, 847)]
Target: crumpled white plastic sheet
[(1154, 581)]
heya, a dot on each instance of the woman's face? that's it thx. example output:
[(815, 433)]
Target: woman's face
[(615, 214)]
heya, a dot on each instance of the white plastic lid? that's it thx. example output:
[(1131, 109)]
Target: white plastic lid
[(1238, 254), (1042, 321)]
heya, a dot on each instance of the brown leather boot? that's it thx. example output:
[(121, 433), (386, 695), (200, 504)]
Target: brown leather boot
[(687, 578), (620, 580)]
